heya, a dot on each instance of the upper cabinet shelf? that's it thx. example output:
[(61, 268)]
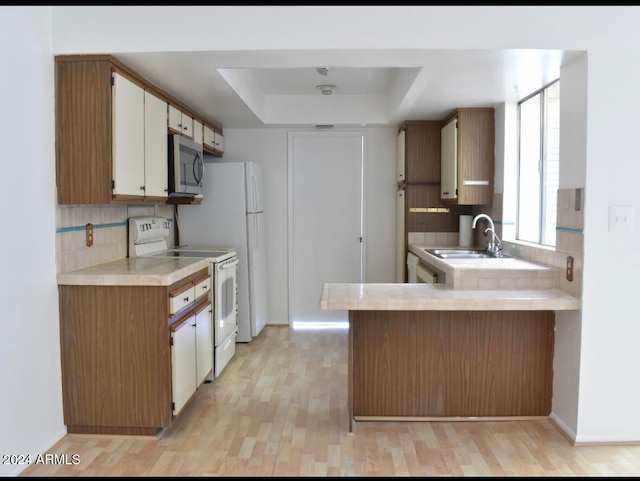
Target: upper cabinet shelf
[(111, 132)]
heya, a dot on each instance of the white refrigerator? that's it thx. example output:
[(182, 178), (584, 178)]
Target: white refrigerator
[(232, 215)]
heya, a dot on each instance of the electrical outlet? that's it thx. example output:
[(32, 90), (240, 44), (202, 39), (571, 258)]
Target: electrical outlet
[(89, 234), (570, 268)]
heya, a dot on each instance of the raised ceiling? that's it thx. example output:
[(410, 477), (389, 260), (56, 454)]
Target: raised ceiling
[(250, 89)]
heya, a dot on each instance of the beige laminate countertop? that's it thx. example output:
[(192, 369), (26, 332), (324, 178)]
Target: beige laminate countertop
[(441, 297), (135, 271)]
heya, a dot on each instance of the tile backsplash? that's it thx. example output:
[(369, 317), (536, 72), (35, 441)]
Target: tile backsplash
[(109, 234)]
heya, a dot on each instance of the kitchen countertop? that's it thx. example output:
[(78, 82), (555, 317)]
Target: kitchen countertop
[(470, 285), (441, 297), (135, 271)]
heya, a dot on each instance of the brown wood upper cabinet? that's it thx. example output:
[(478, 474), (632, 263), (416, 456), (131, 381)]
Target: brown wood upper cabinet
[(419, 151), (111, 132), (467, 157)]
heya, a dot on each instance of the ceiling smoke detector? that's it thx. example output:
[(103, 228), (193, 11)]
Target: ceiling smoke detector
[(326, 89)]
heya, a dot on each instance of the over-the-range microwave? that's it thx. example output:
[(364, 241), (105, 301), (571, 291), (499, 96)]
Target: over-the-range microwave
[(186, 166)]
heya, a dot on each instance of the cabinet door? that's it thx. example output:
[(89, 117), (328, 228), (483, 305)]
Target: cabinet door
[(183, 366), (175, 119), (198, 131), (219, 141), (187, 125), (128, 137), (400, 228), (209, 137), (213, 141), (155, 146), (204, 342), (400, 155), (449, 160)]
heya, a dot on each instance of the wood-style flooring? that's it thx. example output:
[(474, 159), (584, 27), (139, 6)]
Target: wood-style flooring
[(280, 409)]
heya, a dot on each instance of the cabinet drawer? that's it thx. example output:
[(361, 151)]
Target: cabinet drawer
[(202, 287), (224, 354), (181, 298)]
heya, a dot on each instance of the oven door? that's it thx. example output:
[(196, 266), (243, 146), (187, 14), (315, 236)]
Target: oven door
[(225, 300)]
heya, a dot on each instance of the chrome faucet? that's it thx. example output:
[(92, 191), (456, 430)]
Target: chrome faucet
[(494, 246)]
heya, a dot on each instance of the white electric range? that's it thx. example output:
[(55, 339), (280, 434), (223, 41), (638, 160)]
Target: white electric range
[(148, 237)]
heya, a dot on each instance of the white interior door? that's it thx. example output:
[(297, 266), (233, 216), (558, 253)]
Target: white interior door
[(325, 218)]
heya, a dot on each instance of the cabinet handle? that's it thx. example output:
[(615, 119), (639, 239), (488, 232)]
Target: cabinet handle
[(186, 299), (142, 187)]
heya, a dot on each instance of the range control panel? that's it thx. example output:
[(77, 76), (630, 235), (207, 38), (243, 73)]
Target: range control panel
[(148, 230)]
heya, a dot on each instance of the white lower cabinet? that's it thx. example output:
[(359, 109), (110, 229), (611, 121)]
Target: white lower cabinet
[(191, 354), (183, 365), (204, 342)]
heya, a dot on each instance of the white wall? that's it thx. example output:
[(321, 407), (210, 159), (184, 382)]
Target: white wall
[(31, 399), (609, 396), (610, 357), (268, 147)]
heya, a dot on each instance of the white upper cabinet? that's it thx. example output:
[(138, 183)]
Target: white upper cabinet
[(213, 141), (180, 122), (155, 146), (198, 131), (128, 137)]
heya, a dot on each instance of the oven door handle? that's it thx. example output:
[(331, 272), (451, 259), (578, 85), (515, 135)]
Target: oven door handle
[(225, 265)]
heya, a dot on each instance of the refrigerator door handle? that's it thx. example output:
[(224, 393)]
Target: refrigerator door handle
[(254, 187)]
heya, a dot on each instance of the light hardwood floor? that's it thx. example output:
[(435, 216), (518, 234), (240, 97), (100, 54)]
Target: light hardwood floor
[(280, 409)]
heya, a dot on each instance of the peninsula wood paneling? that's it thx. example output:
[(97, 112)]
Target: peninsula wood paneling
[(450, 364)]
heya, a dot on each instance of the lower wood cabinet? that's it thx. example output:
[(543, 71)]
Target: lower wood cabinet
[(116, 355)]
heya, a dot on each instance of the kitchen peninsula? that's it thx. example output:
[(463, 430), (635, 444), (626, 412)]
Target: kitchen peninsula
[(437, 352)]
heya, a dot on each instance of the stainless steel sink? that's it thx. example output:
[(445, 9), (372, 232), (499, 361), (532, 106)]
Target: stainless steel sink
[(465, 254)]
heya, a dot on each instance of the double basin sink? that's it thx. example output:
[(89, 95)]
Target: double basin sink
[(466, 254)]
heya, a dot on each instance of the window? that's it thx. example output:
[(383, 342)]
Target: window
[(538, 165)]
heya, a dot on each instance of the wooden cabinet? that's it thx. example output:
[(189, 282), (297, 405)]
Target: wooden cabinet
[(180, 122), (198, 132), (156, 176), (422, 151), (128, 137), (191, 354), (183, 367), (116, 354), (111, 133), (467, 157), (418, 178), (213, 141), (139, 142)]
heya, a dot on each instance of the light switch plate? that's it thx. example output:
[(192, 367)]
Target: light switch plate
[(621, 218)]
